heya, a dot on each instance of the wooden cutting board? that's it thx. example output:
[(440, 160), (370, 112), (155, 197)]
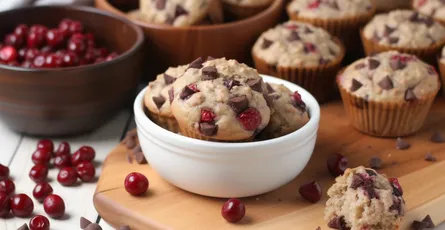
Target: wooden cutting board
[(168, 207)]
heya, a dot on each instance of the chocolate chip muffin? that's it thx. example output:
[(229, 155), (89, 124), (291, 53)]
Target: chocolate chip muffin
[(432, 8), (363, 199), (342, 18), (301, 53), (288, 111), (157, 101), (388, 94), (406, 31), (220, 100), (239, 9)]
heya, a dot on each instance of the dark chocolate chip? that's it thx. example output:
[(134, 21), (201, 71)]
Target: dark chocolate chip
[(415, 17), (332, 52), (402, 144), (160, 4), (269, 88), (318, 228), (356, 85), (124, 227), (393, 40), (309, 48), (428, 221), (388, 30), (171, 95), (255, 84), (179, 11), (84, 222), (418, 225), (231, 82), (308, 30), (93, 226), (430, 157), (338, 223), (375, 163), (140, 158), (428, 21), (409, 95), (196, 64), (23, 227), (396, 206), (159, 101), (357, 181), (397, 64), (373, 64), (431, 70), (386, 83), (186, 93), (371, 172), (369, 189), (209, 73), (396, 191), (270, 98), (437, 137), (360, 66), (168, 79), (208, 129), (334, 5), (293, 36), (239, 103), (266, 43), (323, 61)]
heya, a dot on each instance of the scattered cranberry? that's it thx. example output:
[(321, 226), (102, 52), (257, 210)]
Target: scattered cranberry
[(62, 160), (7, 186), (21, 205), (4, 172), (54, 37), (89, 37), (46, 144), (337, 164), (14, 40), (233, 210), (8, 53), (38, 173), (39, 223), (86, 171), (311, 192), (4, 204), (101, 52), (77, 46), (41, 156), (250, 119), (67, 176), (85, 153), (64, 148), (13, 63), (27, 64), (35, 40), (136, 184), (99, 60), (54, 206), (22, 54), (41, 191), (90, 56)]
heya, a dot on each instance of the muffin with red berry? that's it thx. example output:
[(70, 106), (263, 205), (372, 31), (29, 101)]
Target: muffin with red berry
[(220, 100), (301, 53), (432, 8), (388, 94)]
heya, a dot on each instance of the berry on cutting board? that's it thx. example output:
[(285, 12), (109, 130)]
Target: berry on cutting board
[(233, 210), (136, 184)]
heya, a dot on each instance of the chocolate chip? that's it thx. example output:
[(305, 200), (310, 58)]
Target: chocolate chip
[(428, 221), (357, 181), (84, 222), (369, 190), (360, 66), (356, 85), (332, 52), (428, 21), (308, 30), (309, 48), (171, 95), (160, 4), (93, 226), (255, 84), (437, 137), (168, 79), (338, 223), (293, 36), (159, 101), (270, 98), (208, 129), (371, 172), (140, 158), (231, 82), (186, 93), (318, 228), (430, 157), (124, 227), (409, 95), (373, 64), (402, 144), (375, 163), (209, 73), (196, 64), (396, 206), (393, 40), (396, 191), (386, 83), (415, 17), (323, 61), (239, 104), (266, 43), (396, 64), (269, 88), (23, 227), (179, 11), (418, 225), (334, 5), (388, 30), (431, 70)]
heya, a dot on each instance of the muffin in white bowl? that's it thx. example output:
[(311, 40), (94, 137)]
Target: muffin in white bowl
[(228, 169)]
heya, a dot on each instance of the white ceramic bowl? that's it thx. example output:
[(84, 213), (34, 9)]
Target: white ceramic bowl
[(228, 169)]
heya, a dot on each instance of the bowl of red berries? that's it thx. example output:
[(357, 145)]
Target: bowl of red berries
[(66, 70)]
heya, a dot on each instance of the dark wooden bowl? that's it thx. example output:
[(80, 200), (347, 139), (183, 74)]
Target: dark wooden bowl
[(171, 46), (75, 100)]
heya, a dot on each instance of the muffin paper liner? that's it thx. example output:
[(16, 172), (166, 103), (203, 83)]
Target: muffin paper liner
[(427, 54), (240, 12), (442, 74), (344, 28), (318, 80), (386, 119), (165, 122)]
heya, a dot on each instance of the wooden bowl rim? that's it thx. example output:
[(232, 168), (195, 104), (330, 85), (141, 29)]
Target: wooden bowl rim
[(137, 45), (239, 23)]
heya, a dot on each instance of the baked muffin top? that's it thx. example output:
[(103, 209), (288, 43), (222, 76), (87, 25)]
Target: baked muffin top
[(222, 99), (295, 44), (249, 2), (390, 76), (326, 9), (404, 28), (433, 8)]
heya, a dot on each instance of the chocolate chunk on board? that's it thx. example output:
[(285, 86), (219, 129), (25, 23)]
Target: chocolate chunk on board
[(140, 158), (124, 227), (402, 144), (375, 163), (23, 227), (428, 221), (93, 226), (437, 137), (418, 225), (430, 157)]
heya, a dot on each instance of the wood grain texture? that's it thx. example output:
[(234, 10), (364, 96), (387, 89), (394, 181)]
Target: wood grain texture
[(167, 207)]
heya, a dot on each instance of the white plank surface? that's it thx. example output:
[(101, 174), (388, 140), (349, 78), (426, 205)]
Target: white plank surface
[(9, 142)]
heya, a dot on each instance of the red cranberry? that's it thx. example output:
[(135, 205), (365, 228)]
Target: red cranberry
[(39, 61), (14, 40), (311, 192), (46, 50), (4, 204), (101, 52), (64, 27), (64, 148), (42, 190), (76, 27), (62, 160), (85, 153), (54, 206), (39, 223), (38, 29), (21, 205), (89, 37), (38, 173), (4, 172), (77, 46), (31, 54), (46, 144), (111, 56), (70, 59), (53, 61), (27, 64), (67, 176), (136, 184), (207, 115), (250, 119), (337, 164), (7, 186), (54, 37), (22, 54), (79, 36), (90, 56), (233, 210), (35, 40), (21, 30), (41, 156), (395, 183), (86, 171), (8, 53)]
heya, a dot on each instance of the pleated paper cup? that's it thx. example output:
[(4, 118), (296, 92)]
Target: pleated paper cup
[(442, 73), (427, 54), (165, 122), (386, 119), (236, 11), (318, 80)]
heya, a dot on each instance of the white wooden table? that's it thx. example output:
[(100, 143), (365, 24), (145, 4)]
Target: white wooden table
[(16, 151)]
